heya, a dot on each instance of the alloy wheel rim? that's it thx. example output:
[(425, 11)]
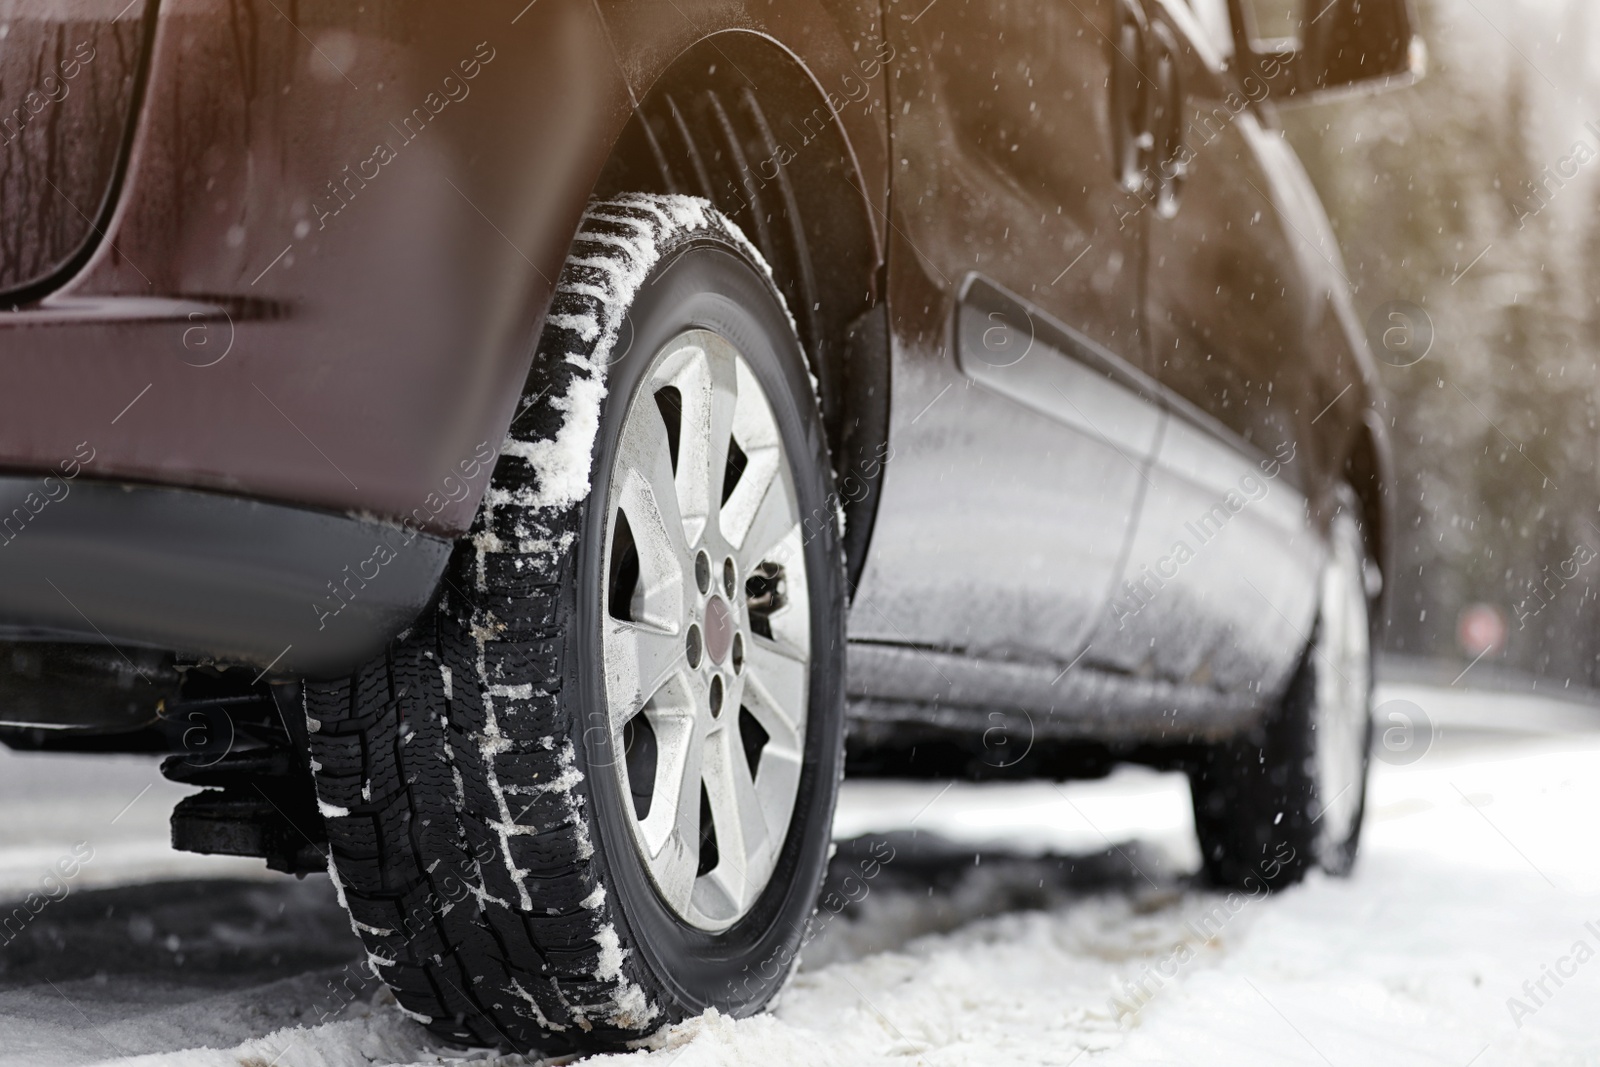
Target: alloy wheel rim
[(1344, 690), (706, 630)]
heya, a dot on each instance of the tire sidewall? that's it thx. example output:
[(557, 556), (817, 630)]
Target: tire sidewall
[(710, 283), (1334, 856)]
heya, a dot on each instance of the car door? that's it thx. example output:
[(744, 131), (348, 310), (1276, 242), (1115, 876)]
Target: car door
[(1219, 587), (1019, 431)]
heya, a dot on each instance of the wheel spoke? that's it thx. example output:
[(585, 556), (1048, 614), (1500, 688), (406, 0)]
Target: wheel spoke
[(646, 495), (790, 623), (674, 870), (742, 836), (671, 713), (760, 513), (638, 661), (674, 819), (775, 693), (720, 892), (709, 386)]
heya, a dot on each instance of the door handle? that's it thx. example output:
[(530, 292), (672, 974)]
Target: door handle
[(1168, 162), (1130, 96)]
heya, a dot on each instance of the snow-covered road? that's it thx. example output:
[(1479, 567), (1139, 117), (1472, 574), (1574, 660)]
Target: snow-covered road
[(1017, 923)]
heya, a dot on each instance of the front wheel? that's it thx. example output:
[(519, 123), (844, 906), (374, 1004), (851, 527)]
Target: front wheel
[(1290, 794), (591, 793)]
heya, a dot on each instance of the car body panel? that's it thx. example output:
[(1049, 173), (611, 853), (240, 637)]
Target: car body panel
[(254, 195), (984, 99), (944, 573), (241, 580), (336, 237), (836, 41), (376, 329), (1224, 565)]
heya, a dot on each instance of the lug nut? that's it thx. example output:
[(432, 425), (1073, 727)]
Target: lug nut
[(716, 695), (694, 645), (738, 653), (702, 572), (728, 577)]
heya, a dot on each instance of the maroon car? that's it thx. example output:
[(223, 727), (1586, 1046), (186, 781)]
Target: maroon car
[(514, 455)]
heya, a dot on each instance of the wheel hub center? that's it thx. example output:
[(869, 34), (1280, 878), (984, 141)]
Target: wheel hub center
[(719, 629)]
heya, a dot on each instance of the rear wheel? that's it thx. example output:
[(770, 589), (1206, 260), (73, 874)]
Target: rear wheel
[(1290, 794), (591, 793)]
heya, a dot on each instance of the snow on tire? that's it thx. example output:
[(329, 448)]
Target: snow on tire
[(639, 623)]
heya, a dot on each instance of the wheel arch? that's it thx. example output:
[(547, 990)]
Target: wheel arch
[(709, 126)]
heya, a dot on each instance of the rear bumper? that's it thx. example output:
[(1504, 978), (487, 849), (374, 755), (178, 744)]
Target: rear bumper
[(235, 580)]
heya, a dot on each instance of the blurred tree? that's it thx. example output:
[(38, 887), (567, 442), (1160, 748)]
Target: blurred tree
[(1440, 196)]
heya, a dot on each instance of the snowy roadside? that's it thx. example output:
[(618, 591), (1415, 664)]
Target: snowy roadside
[(1027, 923)]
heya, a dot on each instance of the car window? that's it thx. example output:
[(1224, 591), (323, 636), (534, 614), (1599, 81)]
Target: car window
[(66, 100), (1212, 15), (1274, 20)]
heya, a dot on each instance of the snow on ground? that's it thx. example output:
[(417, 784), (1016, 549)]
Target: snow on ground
[(1008, 924)]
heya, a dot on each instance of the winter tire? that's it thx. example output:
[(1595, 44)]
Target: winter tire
[(590, 793), (1291, 793)]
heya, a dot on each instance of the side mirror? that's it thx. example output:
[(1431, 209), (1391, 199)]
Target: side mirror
[(1311, 49), (1348, 44)]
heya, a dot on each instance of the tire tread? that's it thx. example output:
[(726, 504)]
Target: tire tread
[(483, 906)]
